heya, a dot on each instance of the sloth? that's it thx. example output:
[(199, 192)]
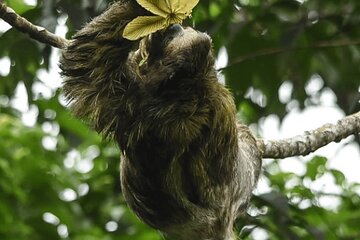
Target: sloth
[(188, 166)]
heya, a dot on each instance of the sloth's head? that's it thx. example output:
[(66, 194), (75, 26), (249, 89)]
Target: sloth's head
[(172, 51)]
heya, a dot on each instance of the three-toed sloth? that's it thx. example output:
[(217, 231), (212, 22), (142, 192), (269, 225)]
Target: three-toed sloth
[(188, 167)]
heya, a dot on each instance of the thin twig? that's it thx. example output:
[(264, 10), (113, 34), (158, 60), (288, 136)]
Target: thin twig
[(279, 50), (311, 140), (35, 32)]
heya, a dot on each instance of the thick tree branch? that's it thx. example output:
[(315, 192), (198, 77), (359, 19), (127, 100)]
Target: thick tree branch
[(312, 140), (36, 32)]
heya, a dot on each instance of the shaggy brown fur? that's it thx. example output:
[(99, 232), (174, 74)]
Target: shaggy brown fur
[(188, 167)]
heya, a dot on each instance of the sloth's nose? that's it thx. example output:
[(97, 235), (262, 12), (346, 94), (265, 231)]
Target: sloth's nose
[(174, 29)]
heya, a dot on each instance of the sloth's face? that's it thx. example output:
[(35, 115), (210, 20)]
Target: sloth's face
[(178, 42), (175, 48)]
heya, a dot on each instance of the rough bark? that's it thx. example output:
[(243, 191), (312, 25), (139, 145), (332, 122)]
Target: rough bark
[(35, 32), (310, 141)]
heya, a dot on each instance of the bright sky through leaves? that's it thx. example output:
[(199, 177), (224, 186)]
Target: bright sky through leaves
[(166, 12)]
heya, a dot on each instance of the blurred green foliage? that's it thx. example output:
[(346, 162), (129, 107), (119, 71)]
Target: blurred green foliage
[(59, 180)]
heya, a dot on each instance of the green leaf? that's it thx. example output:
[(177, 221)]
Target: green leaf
[(339, 177), (316, 167)]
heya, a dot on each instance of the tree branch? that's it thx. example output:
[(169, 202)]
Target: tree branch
[(311, 140), (35, 32), (279, 50)]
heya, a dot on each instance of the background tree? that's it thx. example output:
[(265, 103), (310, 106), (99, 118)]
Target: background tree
[(58, 179)]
